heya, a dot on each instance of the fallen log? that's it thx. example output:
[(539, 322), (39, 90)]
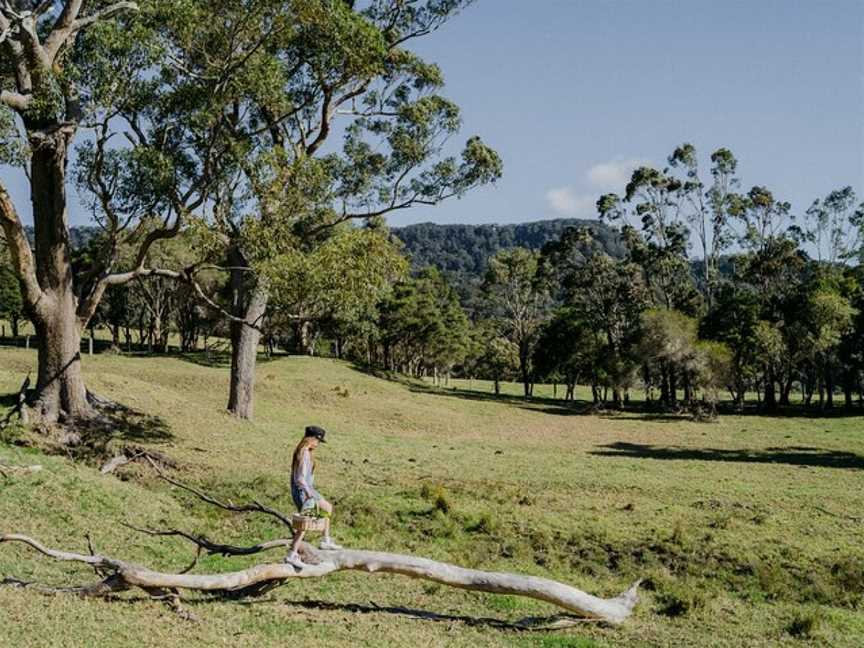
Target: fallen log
[(119, 575), (122, 575)]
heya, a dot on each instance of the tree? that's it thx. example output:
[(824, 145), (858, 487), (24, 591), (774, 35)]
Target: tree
[(282, 184), (51, 78), (708, 209), (497, 357), (833, 226), (342, 280), (851, 348), (11, 306), (829, 318), (668, 342), (517, 297), (732, 320), (608, 295), (422, 327), (772, 265), (224, 110), (656, 200), (568, 350)]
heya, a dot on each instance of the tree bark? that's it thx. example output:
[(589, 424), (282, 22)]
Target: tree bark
[(250, 303), (60, 387)]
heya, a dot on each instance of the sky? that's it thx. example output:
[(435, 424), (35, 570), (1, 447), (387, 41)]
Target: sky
[(573, 94)]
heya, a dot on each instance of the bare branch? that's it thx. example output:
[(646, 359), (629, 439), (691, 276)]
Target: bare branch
[(253, 507), (214, 548)]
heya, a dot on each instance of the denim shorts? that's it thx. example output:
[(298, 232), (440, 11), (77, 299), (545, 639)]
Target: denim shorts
[(300, 498)]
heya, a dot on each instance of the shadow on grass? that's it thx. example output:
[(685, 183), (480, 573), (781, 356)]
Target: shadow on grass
[(115, 428), (792, 455), (552, 622), (8, 401), (635, 410), (220, 358)]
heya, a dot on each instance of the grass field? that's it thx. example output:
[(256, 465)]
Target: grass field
[(749, 530)]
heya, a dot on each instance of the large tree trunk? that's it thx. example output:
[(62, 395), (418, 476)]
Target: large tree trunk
[(60, 386), (250, 304)]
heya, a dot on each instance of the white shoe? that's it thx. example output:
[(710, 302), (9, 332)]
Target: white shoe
[(294, 560), (327, 544)]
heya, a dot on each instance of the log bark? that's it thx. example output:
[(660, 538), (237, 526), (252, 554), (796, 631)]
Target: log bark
[(322, 563)]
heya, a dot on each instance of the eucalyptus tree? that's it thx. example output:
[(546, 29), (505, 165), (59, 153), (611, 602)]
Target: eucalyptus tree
[(652, 212), (772, 265), (518, 298), (708, 207), (264, 89), (834, 226), (64, 64), (607, 296)]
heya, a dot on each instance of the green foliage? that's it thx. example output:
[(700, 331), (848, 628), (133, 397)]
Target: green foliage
[(568, 349), (13, 150), (518, 297), (344, 278), (11, 304), (422, 327)]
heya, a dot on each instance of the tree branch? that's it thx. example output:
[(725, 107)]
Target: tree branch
[(253, 507), (19, 248), (15, 100), (322, 563), (68, 24)]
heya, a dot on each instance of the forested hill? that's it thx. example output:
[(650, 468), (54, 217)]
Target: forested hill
[(464, 249), (461, 249)]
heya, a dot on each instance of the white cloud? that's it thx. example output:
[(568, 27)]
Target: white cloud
[(579, 200), (613, 175), (566, 202)]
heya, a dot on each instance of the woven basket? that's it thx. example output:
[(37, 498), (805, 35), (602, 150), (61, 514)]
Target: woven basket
[(306, 523)]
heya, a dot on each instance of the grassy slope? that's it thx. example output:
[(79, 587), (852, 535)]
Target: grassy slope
[(741, 525)]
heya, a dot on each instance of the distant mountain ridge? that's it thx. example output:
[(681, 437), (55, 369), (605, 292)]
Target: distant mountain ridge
[(79, 235), (464, 249), (459, 249)]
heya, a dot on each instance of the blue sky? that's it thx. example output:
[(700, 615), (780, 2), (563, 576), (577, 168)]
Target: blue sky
[(574, 93)]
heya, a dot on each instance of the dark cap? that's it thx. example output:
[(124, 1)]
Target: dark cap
[(317, 432)]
